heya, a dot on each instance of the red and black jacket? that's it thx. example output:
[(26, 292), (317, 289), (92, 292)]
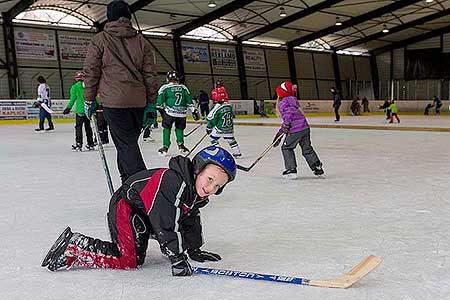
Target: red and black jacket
[(168, 197)]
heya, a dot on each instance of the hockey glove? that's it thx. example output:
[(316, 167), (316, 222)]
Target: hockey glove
[(277, 140), (208, 130), (180, 265), (66, 111), (149, 115), (37, 104), (285, 128), (202, 256), (196, 115), (89, 108)]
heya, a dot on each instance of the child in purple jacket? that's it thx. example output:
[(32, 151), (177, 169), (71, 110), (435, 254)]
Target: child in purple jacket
[(297, 131)]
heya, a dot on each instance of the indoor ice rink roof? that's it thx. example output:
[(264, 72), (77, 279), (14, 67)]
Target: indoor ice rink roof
[(354, 25)]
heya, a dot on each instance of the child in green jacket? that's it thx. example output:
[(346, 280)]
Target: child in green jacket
[(394, 111), (77, 98)]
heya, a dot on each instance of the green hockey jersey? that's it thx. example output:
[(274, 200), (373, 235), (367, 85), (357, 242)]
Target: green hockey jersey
[(175, 98), (221, 118)]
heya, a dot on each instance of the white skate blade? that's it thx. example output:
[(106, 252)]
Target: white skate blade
[(163, 154)]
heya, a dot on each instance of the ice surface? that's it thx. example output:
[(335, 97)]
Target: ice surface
[(385, 193)]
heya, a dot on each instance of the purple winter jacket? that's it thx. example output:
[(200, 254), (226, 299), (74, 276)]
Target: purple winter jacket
[(291, 115)]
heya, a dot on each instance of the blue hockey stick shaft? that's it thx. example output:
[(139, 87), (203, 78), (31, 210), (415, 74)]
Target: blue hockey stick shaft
[(250, 275)]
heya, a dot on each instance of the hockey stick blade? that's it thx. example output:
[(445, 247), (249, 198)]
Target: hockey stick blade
[(246, 169), (343, 282)]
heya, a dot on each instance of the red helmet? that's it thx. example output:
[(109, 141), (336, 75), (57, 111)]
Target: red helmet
[(219, 95), (79, 76), (286, 89)]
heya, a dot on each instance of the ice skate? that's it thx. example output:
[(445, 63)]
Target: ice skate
[(77, 147), (148, 139), (49, 129), (163, 151), (39, 129), (183, 150), (237, 155), (57, 249), (290, 174), (90, 147)]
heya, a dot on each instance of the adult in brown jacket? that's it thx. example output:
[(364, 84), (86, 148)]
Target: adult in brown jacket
[(119, 67)]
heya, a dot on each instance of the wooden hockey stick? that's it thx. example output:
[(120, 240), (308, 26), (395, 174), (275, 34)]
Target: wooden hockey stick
[(246, 169), (196, 127), (342, 282)]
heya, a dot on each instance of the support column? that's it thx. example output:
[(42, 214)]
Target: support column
[(58, 57), (336, 71), (178, 56), (241, 70), (292, 65), (10, 52), (391, 76), (375, 77)]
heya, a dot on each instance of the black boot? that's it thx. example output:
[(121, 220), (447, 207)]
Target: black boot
[(318, 169), (290, 173)]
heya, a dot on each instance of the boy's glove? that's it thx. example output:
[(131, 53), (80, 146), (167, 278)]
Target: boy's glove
[(202, 256), (180, 265), (89, 108), (196, 115), (37, 104), (149, 115), (285, 128), (208, 130), (66, 111), (276, 138)]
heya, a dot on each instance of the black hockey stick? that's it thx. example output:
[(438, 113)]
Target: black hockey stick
[(196, 127), (198, 143), (101, 151), (246, 169)]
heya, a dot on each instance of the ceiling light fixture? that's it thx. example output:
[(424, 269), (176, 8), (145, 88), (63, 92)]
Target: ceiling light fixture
[(385, 29), (429, 1), (282, 12), (212, 4), (338, 22)]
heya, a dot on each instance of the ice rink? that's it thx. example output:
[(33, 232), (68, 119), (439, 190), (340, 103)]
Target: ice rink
[(385, 193)]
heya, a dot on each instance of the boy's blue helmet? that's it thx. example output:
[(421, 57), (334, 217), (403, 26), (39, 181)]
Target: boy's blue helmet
[(218, 156)]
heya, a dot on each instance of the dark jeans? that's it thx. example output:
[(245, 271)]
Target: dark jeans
[(125, 125), (43, 114), (336, 112), (302, 138), (204, 109), (79, 121), (147, 132)]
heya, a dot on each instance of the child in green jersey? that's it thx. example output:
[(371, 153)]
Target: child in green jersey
[(220, 119), (174, 99)]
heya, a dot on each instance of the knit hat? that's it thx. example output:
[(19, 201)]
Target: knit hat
[(286, 89), (117, 9)]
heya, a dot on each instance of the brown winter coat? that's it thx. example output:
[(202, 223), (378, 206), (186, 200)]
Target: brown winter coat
[(119, 66)]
